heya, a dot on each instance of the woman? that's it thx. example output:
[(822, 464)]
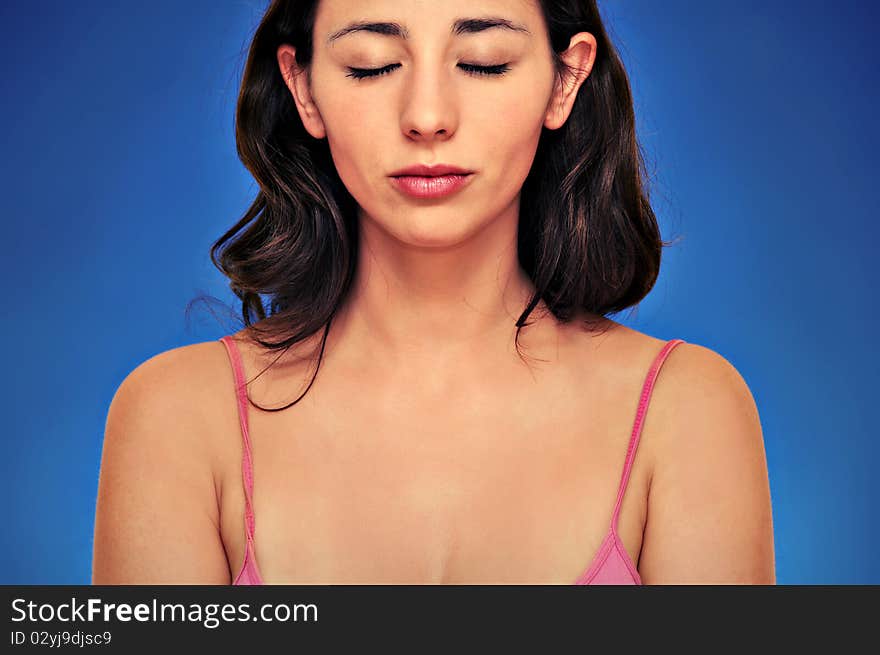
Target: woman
[(451, 204)]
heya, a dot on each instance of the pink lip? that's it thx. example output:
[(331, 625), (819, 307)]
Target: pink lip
[(430, 187)]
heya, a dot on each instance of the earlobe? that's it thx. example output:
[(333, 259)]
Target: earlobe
[(297, 84), (580, 56)]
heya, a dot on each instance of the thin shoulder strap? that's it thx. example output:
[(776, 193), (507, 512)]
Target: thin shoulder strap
[(645, 398), (247, 472)]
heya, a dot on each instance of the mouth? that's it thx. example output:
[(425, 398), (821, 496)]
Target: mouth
[(432, 177), (433, 170), (431, 186)]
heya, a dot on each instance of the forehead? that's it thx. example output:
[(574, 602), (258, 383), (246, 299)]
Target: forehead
[(408, 20)]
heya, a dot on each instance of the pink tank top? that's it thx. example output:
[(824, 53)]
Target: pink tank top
[(611, 565)]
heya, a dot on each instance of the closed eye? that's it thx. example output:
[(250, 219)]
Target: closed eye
[(471, 69)]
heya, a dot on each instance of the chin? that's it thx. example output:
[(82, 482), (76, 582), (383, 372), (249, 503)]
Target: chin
[(436, 234)]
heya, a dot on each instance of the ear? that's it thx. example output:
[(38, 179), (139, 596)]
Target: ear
[(580, 55), (297, 81)]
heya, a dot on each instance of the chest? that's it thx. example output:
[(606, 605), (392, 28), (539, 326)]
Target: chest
[(476, 487)]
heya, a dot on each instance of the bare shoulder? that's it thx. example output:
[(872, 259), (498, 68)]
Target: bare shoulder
[(178, 367), (184, 398), (709, 517), (157, 513), (704, 397), (695, 384), (177, 385), (709, 502)]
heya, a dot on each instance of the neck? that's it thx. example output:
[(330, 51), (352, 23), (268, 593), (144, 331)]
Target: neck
[(433, 305)]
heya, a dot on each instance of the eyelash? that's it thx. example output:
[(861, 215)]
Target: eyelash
[(471, 69)]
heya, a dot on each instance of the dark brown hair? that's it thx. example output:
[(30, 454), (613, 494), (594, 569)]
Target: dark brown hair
[(588, 237)]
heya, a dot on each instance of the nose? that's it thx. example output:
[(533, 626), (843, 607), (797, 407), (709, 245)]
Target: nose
[(429, 106)]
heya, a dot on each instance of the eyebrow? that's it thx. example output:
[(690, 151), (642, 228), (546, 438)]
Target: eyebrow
[(459, 27)]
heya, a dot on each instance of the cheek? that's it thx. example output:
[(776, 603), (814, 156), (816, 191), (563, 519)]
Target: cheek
[(355, 147), (510, 141), (510, 124)]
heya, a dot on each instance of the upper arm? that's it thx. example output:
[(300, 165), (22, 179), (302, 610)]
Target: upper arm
[(157, 518), (709, 511)]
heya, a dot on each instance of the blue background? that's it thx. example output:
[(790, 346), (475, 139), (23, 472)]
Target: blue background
[(119, 170)]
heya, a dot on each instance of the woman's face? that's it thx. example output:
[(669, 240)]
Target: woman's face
[(429, 106)]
